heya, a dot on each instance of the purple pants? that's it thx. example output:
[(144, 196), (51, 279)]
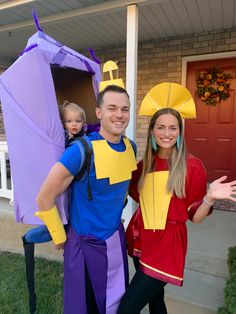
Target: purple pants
[(107, 266)]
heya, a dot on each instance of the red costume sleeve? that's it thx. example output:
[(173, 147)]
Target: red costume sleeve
[(195, 185), (132, 231), (133, 189)]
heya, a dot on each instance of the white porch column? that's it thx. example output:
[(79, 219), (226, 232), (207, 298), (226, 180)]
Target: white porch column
[(131, 82), (131, 65)]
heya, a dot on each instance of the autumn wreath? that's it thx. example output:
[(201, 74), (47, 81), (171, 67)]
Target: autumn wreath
[(213, 86)]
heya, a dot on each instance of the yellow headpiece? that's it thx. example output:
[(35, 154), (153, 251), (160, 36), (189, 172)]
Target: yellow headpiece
[(110, 66), (168, 95)]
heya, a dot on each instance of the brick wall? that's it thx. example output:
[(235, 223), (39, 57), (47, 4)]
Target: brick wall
[(161, 60)]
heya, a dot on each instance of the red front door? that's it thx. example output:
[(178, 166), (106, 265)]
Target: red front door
[(212, 136)]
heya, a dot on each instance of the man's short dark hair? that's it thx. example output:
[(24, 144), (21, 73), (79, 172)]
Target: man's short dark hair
[(110, 88)]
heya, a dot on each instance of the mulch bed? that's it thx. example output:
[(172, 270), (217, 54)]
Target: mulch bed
[(225, 205)]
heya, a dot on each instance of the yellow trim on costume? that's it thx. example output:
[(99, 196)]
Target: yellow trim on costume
[(160, 272), (52, 220), (117, 166), (110, 66), (168, 95), (154, 200)]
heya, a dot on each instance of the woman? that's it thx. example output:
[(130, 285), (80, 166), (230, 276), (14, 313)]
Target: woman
[(171, 188)]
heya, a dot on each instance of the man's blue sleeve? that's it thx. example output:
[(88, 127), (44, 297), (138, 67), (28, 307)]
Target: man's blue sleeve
[(73, 158)]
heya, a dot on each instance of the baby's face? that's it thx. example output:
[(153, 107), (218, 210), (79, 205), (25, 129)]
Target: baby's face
[(73, 121)]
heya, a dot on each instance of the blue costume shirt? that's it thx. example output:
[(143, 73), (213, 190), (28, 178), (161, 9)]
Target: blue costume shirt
[(101, 216)]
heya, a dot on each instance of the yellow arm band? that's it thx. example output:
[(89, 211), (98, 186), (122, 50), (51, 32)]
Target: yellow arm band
[(54, 224)]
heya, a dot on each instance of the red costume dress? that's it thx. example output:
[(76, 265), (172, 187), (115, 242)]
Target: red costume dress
[(162, 252)]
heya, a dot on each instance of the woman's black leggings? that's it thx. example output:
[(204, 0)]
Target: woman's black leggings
[(143, 290)]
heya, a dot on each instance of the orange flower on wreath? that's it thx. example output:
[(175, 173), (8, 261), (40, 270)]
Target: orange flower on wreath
[(213, 86)]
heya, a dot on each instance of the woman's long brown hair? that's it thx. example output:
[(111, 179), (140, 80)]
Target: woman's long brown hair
[(177, 159)]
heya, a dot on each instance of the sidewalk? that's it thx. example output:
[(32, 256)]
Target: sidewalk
[(206, 266), (11, 233)]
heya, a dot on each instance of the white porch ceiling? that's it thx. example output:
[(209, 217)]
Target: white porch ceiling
[(81, 24)]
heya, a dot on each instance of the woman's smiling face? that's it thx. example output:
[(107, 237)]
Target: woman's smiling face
[(166, 130)]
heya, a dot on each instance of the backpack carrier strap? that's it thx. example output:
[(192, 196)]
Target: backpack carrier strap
[(132, 144), (86, 165)]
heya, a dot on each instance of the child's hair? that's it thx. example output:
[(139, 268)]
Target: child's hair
[(71, 106)]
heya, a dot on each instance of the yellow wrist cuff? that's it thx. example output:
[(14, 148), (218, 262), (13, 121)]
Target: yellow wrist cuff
[(54, 224)]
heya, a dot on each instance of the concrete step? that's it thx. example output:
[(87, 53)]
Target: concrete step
[(175, 306), (200, 294), (206, 266), (203, 293), (212, 265)]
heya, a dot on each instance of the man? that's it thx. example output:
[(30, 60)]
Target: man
[(95, 262)]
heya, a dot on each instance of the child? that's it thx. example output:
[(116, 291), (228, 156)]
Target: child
[(73, 119)]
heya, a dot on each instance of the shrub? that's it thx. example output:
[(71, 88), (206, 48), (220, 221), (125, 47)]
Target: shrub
[(230, 288), (232, 260)]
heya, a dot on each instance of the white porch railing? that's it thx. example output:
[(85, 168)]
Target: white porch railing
[(6, 187)]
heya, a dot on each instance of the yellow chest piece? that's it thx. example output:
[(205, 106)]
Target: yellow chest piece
[(154, 200), (117, 166)]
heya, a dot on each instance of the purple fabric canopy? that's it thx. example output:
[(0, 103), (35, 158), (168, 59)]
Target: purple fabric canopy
[(34, 132)]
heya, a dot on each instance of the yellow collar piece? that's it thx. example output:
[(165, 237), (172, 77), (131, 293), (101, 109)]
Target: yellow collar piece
[(168, 95), (117, 166), (154, 200)]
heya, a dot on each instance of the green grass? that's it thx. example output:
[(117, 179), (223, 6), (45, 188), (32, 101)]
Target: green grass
[(13, 286)]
